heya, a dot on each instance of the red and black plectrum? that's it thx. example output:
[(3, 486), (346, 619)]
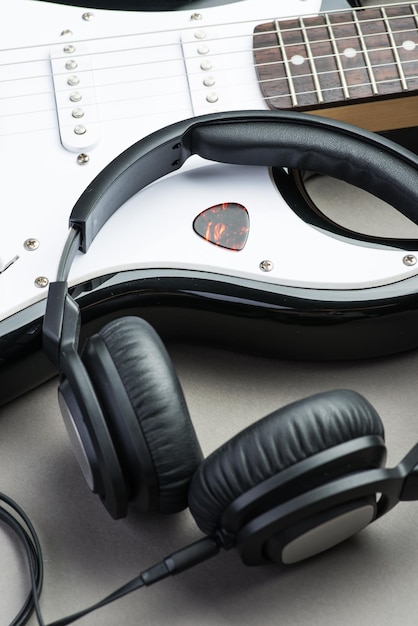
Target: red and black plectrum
[(226, 225)]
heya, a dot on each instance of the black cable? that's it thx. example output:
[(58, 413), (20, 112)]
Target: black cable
[(21, 525), (25, 531), (177, 562)]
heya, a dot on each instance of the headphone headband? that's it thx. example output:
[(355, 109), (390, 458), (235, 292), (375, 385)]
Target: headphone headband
[(268, 138)]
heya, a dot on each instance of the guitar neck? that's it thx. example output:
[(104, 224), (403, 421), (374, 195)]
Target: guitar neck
[(359, 66)]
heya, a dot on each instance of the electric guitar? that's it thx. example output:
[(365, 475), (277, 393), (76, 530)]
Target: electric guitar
[(78, 86)]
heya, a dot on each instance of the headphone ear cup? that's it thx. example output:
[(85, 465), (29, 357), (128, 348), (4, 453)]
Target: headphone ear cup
[(146, 413), (278, 441)]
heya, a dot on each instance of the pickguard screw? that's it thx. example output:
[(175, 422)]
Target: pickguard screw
[(31, 244), (69, 49), (196, 17), (66, 32), (87, 17), (83, 158), (409, 260), (41, 282), (266, 266)]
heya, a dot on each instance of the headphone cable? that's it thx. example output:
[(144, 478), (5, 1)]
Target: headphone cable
[(21, 525), (179, 561)]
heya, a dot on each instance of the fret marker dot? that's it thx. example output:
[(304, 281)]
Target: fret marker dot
[(350, 53), (409, 45), (297, 59)]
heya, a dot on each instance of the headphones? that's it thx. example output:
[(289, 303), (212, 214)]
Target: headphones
[(300, 480)]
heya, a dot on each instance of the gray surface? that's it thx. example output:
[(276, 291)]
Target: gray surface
[(368, 580)]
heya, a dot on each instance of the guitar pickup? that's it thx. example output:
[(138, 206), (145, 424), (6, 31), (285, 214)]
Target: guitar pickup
[(75, 97)]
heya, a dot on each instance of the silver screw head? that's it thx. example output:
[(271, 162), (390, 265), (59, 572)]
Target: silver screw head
[(73, 80), (266, 265), (31, 244), (80, 129), (409, 260), (75, 96), (83, 158), (88, 16), (41, 282), (71, 64)]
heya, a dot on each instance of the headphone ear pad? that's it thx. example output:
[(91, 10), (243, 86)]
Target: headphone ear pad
[(278, 441), (145, 411)]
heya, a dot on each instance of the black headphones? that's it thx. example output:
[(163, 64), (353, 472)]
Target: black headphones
[(298, 481)]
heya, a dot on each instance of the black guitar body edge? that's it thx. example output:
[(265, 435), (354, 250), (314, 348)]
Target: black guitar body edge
[(224, 313)]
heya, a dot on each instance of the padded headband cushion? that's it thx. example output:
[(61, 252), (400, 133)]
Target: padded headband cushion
[(278, 441), (152, 386), (271, 138)]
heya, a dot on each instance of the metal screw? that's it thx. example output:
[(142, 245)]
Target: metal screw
[(71, 64), (82, 159), (409, 260), (206, 65), (65, 32), (209, 81), (200, 34), (77, 113), (196, 17), (212, 98), (87, 17), (73, 80), (69, 49), (31, 244), (266, 266), (80, 129), (41, 282), (75, 96)]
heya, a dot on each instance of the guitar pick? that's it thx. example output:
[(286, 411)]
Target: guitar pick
[(226, 225)]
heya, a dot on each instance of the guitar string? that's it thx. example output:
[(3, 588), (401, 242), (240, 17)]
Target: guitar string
[(281, 95), (266, 99), (413, 17), (255, 35), (397, 6), (114, 67), (277, 63), (174, 112)]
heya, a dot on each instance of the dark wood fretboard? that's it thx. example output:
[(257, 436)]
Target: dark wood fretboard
[(344, 64)]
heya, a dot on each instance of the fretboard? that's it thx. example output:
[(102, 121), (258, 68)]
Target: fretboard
[(339, 58)]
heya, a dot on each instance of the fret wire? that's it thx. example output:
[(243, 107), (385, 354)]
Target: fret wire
[(414, 11), (339, 39), (332, 56), (311, 61), (337, 58), (354, 13), (395, 50), (292, 90), (324, 73), (328, 104), (329, 89), (366, 55)]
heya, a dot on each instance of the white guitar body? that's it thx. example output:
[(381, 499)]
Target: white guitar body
[(133, 81), (80, 86)]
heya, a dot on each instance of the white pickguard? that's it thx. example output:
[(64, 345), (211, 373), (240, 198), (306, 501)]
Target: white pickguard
[(136, 72)]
